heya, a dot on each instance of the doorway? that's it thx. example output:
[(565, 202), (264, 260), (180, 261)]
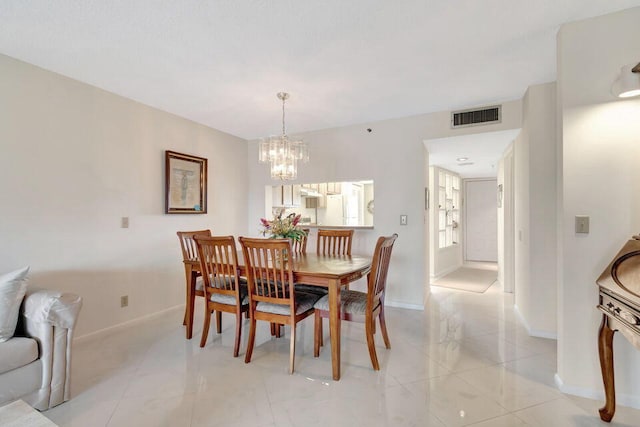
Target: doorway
[(479, 161)]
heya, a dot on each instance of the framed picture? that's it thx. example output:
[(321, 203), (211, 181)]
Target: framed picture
[(185, 183)]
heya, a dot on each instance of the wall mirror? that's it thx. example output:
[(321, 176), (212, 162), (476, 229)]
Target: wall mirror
[(326, 204)]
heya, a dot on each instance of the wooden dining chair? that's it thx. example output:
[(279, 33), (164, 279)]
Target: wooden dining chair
[(224, 290), (334, 242), (300, 246), (272, 296), (190, 253), (302, 249), (362, 306)]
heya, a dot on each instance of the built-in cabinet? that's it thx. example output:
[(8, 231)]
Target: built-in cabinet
[(334, 188), (292, 195), (286, 195), (445, 221), (448, 209)]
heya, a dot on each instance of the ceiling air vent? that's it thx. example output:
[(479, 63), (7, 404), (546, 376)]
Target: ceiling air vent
[(483, 116)]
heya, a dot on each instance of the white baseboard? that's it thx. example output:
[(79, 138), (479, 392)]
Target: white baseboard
[(404, 305), (621, 399), (521, 317), (534, 332), (543, 334), (444, 273), (111, 329)]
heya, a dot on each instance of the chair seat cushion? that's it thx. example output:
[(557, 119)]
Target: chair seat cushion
[(231, 300), (199, 283), (351, 302), (304, 302), (311, 289), (17, 352)]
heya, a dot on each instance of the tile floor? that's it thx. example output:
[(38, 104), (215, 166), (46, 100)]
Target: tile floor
[(465, 360)]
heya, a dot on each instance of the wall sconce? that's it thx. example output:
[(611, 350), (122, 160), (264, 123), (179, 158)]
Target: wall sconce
[(628, 84)]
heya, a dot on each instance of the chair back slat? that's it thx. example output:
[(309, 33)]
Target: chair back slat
[(334, 242), (377, 279), (270, 278), (300, 246), (219, 264), (188, 245)]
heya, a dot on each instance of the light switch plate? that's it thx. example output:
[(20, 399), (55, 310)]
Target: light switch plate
[(582, 224), (403, 220), (124, 222)]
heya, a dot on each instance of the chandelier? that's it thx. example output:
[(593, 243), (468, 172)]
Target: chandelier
[(282, 152)]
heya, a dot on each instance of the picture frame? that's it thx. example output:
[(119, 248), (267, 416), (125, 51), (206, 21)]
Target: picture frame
[(185, 183)]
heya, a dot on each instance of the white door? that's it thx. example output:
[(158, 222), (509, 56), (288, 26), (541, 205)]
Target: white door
[(481, 220)]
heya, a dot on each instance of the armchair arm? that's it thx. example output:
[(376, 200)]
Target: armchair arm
[(52, 307), (49, 317)]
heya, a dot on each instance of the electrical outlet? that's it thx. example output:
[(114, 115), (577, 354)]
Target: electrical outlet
[(403, 220), (124, 301), (124, 222)]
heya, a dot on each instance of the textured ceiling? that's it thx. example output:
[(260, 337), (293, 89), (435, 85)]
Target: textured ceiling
[(220, 63)]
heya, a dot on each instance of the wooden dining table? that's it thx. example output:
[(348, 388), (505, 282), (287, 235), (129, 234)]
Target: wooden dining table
[(327, 271)]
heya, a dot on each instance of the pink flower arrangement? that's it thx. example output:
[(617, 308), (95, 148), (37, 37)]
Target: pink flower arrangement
[(283, 228)]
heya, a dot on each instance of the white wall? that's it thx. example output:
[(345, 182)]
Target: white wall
[(601, 148), (75, 159), (500, 218), (506, 240), (535, 212), (522, 252), (393, 156), (543, 232), (428, 208)]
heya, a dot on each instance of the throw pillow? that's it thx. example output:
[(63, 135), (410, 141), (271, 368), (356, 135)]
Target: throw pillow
[(13, 286)]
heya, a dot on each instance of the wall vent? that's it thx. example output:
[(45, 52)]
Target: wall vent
[(475, 117)]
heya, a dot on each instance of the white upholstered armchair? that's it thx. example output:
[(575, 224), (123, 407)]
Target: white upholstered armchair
[(35, 363)]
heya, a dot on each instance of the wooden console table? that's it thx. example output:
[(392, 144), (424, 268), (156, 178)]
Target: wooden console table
[(619, 302)]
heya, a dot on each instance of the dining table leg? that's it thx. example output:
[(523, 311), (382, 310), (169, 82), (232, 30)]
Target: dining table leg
[(191, 289), (334, 327)]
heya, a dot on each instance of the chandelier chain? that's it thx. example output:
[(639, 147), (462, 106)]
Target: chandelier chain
[(283, 101)]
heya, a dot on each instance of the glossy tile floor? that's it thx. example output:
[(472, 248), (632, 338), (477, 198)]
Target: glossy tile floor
[(465, 360)]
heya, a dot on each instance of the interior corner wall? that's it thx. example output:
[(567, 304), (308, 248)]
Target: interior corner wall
[(392, 155), (430, 225), (535, 212), (521, 161), (542, 205), (426, 176), (600, 179), (501, 210), (75, 159)]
